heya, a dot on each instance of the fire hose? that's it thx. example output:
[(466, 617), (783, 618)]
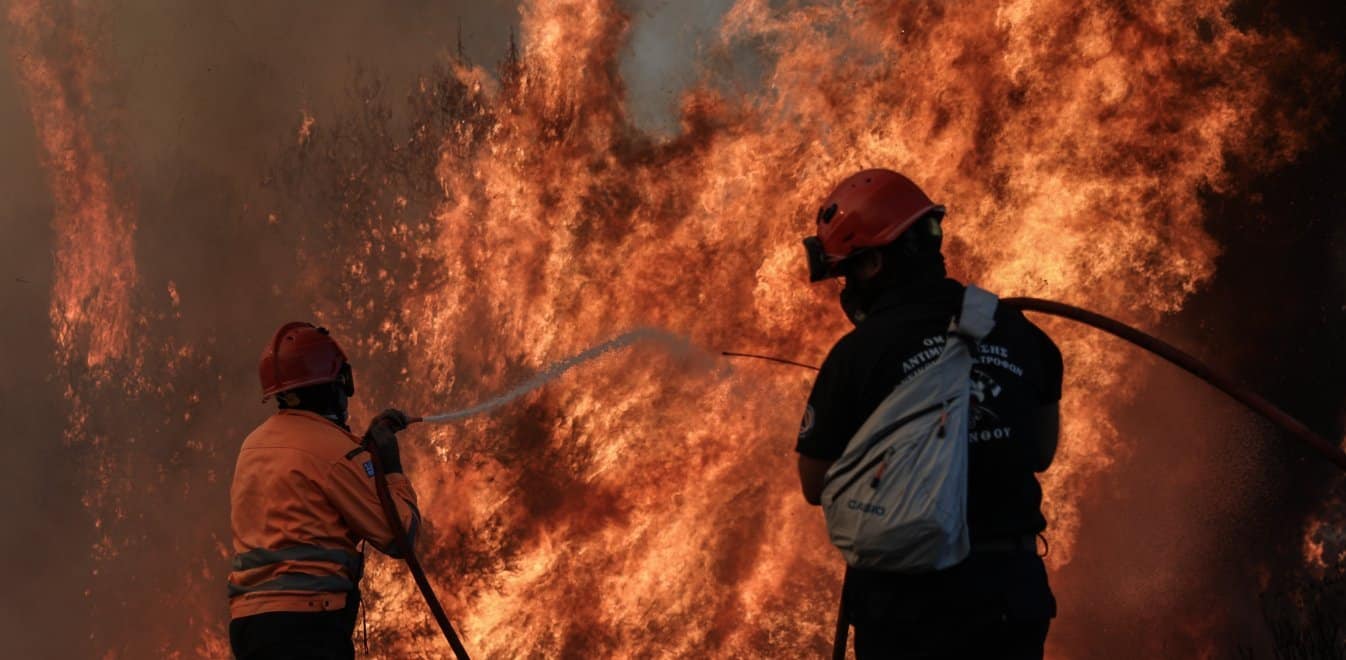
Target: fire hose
[(1176, 356), (1158, 347), (402, 545), (1329, 450)]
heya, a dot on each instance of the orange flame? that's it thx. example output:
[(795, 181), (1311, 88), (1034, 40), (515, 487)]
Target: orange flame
[(646, 505), (91, 311), (1324, 542), (638, 509)]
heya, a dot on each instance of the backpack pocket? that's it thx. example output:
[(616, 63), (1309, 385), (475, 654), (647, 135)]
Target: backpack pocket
[(877, 453)]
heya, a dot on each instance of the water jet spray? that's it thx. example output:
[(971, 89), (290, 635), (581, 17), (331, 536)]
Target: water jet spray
[(673, 343)]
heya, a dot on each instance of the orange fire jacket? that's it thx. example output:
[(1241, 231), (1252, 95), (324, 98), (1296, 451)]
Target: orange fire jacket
[(302, 499)]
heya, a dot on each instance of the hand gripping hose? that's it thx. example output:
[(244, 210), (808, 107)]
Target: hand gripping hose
[(402, 544)]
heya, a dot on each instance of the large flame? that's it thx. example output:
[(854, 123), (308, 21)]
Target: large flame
[(91, 312), (646, 505), (1066, 142)]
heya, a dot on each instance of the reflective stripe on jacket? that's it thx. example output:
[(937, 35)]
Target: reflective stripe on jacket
[(302, 499)]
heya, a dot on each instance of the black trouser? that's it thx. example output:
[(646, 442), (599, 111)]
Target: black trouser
[(952, 639), (296, 635), (992, 606)]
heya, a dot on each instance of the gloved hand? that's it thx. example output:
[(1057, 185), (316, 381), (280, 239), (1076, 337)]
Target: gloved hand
[(382, 438)]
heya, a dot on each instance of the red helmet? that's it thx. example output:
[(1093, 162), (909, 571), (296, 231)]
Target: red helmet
[(869, 209), (300, 354)]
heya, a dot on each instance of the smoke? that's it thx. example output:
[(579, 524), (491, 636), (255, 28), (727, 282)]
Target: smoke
[(667, 51), (121, 532)]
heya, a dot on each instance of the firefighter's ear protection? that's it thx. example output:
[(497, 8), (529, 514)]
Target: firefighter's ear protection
[(346, 380)]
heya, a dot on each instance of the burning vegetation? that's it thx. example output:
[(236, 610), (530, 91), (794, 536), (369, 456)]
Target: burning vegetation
[(500, 219)]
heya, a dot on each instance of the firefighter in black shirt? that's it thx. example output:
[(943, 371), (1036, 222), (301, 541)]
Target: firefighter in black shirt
[(882, 234)]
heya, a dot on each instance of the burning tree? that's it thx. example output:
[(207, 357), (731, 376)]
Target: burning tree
[(499, 220)]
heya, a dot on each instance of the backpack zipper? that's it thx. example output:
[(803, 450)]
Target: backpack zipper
[(882, 433), (883, 466)]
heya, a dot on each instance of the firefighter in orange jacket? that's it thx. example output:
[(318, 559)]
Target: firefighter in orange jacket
[(303, 499)]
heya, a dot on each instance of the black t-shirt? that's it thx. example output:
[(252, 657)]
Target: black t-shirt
[(1017, 372)]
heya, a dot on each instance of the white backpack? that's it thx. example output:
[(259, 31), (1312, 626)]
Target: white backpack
[(896, 500)]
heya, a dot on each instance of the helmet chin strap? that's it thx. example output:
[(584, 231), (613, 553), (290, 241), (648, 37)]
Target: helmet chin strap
[(342, 412)]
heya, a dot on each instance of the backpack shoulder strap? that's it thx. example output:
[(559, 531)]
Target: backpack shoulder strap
[(977, 318)]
